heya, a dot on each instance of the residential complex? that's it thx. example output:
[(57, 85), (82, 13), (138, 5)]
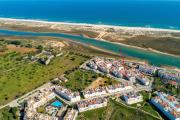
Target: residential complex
[(94, 92), (151, 70), (67, 94), (42, 97), (119, 87), (167, 104), (92, 104), (118, 69), (132, 97), (172, 77)]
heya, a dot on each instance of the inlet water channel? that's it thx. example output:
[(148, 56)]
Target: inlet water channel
[(150, 56)]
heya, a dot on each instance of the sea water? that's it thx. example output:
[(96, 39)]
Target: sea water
[(142, 13)]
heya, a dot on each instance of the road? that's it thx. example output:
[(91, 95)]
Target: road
[(16, 102)]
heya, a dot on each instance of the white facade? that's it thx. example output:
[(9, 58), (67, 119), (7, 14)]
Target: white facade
[(94, 92), (119, 89), (92, 104), (132, 99), (91, 107), (44, 100), (67, 94), (143, 80)]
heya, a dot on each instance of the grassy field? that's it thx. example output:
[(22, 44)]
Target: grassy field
[(18, 77), (97, 114), (114, 111), (146, 106), (80, 79), (16, 80)]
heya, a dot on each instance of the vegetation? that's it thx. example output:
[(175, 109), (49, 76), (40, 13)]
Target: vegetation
[(8, 113), (114, 111), (80, 79), (41, 109), (146, 106), (167, 88), (18, 77), (96, 114), (157, 43), (14, 42), (149, 108)]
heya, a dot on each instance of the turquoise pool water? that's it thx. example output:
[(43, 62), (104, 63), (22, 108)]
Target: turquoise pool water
[(57, 103)]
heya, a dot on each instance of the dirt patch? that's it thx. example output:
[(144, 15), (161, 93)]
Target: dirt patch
[(102, 81), (98, 82), (20, 49)]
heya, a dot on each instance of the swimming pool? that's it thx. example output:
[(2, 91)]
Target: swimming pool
[(57, 103)]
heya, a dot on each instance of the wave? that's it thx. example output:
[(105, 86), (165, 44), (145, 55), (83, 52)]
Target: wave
[(146, 27)]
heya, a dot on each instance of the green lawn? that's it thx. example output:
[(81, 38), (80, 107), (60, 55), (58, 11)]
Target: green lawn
[(146, 105), (96, 114), (79, 79), (24, 78), (10, 61), (150, 109), (114, 111), (124, 113)]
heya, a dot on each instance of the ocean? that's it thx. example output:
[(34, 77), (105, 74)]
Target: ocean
[(155, 14)]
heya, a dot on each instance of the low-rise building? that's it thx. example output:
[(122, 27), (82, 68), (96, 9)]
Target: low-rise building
[(119, 87), (168, 105), (92, 65), (169, 76), (133, 97), (150, 70), (116, 72), (92, 104), (143, 79), (67, 94), (94, 92), (42, 97)]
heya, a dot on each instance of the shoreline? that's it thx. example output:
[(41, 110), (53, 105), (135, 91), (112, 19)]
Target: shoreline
[(127, 58), (88, 24), (136, 47), (146, 49), (29, 21)]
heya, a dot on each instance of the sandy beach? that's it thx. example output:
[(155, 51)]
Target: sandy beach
[(86, 24), (116, 34)]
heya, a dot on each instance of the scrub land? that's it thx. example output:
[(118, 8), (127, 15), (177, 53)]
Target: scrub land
[(151, 39)]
